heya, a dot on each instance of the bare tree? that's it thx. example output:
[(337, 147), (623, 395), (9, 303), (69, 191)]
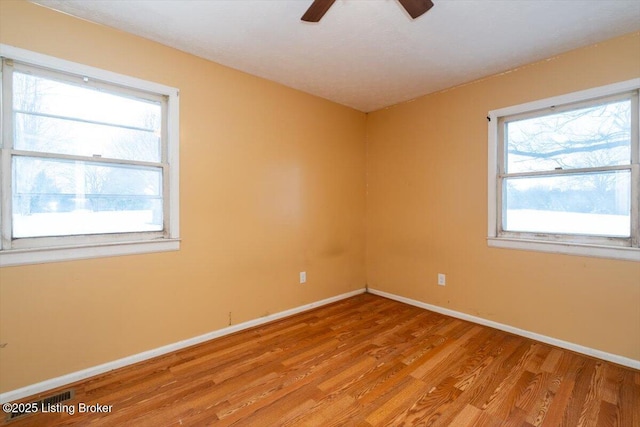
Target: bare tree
[(583, 138)]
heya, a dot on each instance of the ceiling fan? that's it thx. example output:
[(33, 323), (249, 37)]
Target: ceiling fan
[(318, 8)]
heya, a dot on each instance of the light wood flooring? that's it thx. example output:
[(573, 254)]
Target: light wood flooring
[(363, 361)]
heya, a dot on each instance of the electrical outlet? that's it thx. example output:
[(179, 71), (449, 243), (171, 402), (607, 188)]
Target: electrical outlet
[(442, 279), (303, 277)]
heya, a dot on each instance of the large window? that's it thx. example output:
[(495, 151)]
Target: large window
[(564, 174), (89, 161)]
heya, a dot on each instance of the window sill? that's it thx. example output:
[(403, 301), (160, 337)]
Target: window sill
[(15, 257), (621, 253)]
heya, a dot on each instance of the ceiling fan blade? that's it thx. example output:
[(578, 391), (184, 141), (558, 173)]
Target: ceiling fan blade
[(416, 8), (317, 10)]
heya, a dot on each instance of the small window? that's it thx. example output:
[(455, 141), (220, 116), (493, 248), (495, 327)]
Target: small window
[(564, 174), (89, 161)]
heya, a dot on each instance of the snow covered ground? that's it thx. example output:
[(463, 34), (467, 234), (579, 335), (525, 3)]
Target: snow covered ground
[(568, 222), (83, 222)]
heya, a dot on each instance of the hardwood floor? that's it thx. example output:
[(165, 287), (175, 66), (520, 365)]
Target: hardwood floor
[(364, 361)]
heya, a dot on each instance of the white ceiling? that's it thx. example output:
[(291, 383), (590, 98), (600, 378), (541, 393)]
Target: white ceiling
[(366, 54)]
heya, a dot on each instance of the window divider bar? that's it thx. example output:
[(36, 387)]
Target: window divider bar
[(576, 171), (91, 122), (106, 160)]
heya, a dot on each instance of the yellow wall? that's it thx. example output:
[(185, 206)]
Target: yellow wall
[(272, 182), (427, 211)]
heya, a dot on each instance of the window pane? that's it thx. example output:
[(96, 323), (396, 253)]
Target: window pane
[(56, 197), (51, 116), (36, 94), (593, 204), (582, 138), (63, 136)]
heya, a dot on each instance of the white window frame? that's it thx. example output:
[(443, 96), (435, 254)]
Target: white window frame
[(51, 249), (565, 244)]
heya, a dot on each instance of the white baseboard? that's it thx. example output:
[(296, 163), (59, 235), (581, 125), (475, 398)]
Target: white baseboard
[(63, 380), (620, 360)]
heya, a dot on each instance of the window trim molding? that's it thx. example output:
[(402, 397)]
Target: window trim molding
[(98, 248), (562, 247)]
